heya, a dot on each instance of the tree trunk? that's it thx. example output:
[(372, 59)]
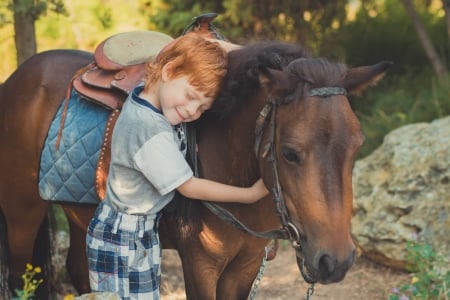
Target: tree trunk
[(438, 66), (446, 5), (25, 36)]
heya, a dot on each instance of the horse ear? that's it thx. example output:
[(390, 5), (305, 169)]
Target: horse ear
[(265, 76), (359, 78), (274, 81)]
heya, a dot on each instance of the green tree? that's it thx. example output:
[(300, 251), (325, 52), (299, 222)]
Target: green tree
[(25, 14), (244, 20)]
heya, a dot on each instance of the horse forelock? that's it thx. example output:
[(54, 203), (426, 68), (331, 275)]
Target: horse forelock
[(242, 77), (318, 72)]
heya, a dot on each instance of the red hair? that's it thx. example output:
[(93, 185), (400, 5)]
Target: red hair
[(202, 60)]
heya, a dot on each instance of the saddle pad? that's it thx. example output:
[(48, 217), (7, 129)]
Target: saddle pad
[(67, 174)]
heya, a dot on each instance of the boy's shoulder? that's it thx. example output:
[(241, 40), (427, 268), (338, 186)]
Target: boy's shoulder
[(141, 118)]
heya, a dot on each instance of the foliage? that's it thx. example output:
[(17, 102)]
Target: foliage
[(386, 32), (30, 284), (397, 101), (410, 92), (431, 276), (244, 20), (84, 25), (36, 8)]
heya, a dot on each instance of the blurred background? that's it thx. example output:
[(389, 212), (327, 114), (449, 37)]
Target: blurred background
[(414, 34)]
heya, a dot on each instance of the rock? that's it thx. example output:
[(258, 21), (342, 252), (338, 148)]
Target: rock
[(98, 296), (402, 192)]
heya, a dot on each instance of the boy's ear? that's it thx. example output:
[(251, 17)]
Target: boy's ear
[(167, 71)]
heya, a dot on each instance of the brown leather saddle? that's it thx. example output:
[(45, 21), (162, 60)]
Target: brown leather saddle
[(119, 62), (119, 65)]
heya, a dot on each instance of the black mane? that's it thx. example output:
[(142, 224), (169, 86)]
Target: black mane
[(242, 76)]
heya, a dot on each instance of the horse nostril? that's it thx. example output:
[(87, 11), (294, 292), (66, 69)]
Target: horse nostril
[(327, 265)]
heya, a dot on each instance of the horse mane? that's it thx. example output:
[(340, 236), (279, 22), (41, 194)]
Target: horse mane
[(242, 75), (318, 72), (242, 78)]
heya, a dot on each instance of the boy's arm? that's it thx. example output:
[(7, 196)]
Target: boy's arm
[(204, 189)]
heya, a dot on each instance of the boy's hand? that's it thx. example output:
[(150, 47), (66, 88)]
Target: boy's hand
[(226, 45), (259, 189)]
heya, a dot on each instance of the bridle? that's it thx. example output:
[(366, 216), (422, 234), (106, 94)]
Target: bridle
[(267, 118)]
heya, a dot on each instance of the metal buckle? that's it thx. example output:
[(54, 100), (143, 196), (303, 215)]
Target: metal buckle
[(294, 235)]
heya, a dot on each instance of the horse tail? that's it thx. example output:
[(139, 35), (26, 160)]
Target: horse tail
[(4, 270), (43, 253)]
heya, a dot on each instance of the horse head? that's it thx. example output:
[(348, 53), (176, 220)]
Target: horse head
[(307, 149)]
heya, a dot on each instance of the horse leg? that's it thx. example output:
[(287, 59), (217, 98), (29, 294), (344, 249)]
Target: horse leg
[(201, 272), (23, 219), (237, 278), (76, 263)]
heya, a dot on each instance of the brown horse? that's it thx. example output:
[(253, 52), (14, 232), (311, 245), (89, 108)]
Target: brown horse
[(306, 139)]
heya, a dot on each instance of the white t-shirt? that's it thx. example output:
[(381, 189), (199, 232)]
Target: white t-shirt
[(147, 164)]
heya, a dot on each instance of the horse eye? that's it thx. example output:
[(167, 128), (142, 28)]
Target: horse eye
[(290, 155)]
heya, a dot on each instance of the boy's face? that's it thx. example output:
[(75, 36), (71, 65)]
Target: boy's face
[(181, 102)]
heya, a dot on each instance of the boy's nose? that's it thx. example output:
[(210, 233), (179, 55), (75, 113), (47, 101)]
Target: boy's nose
[(192, 109)]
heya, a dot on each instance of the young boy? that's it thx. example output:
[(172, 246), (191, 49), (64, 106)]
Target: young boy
[(148, 165)]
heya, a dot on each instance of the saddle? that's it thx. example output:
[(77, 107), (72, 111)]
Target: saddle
[(119, 65), (119, 62)]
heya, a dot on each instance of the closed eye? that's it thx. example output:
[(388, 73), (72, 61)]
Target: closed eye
[(189, 96)]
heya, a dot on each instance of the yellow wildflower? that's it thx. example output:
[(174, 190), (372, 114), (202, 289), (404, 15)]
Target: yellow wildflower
[(69, 297), (414, 280), (38, 270)]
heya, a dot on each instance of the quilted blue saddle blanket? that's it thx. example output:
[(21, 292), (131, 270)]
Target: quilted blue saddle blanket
[(67, 174)]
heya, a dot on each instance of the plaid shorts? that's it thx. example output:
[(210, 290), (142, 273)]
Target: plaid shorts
[(124, 254)]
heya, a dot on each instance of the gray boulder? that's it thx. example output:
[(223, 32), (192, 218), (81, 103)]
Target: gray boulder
[(402, 192)]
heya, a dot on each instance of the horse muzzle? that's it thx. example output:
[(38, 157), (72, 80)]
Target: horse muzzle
[(324, 267)]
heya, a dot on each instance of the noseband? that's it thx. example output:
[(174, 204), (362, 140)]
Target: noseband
[(267, 117)]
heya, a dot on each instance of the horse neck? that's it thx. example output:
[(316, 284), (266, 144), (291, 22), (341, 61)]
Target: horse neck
[(231, 140), (226, 154)]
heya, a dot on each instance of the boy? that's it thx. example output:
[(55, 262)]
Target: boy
[(148, 165)]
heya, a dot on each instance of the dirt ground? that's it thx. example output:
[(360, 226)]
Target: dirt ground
[(282, 280)]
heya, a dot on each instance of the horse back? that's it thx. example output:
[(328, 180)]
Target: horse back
[(29, 99), (47, 72)]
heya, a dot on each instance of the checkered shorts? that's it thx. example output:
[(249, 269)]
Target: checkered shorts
[(124, 254)]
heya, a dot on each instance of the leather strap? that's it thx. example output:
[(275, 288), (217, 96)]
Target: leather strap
[(101, 172)]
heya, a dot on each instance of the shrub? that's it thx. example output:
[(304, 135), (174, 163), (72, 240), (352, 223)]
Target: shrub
[(30, 283), (431, 277)]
